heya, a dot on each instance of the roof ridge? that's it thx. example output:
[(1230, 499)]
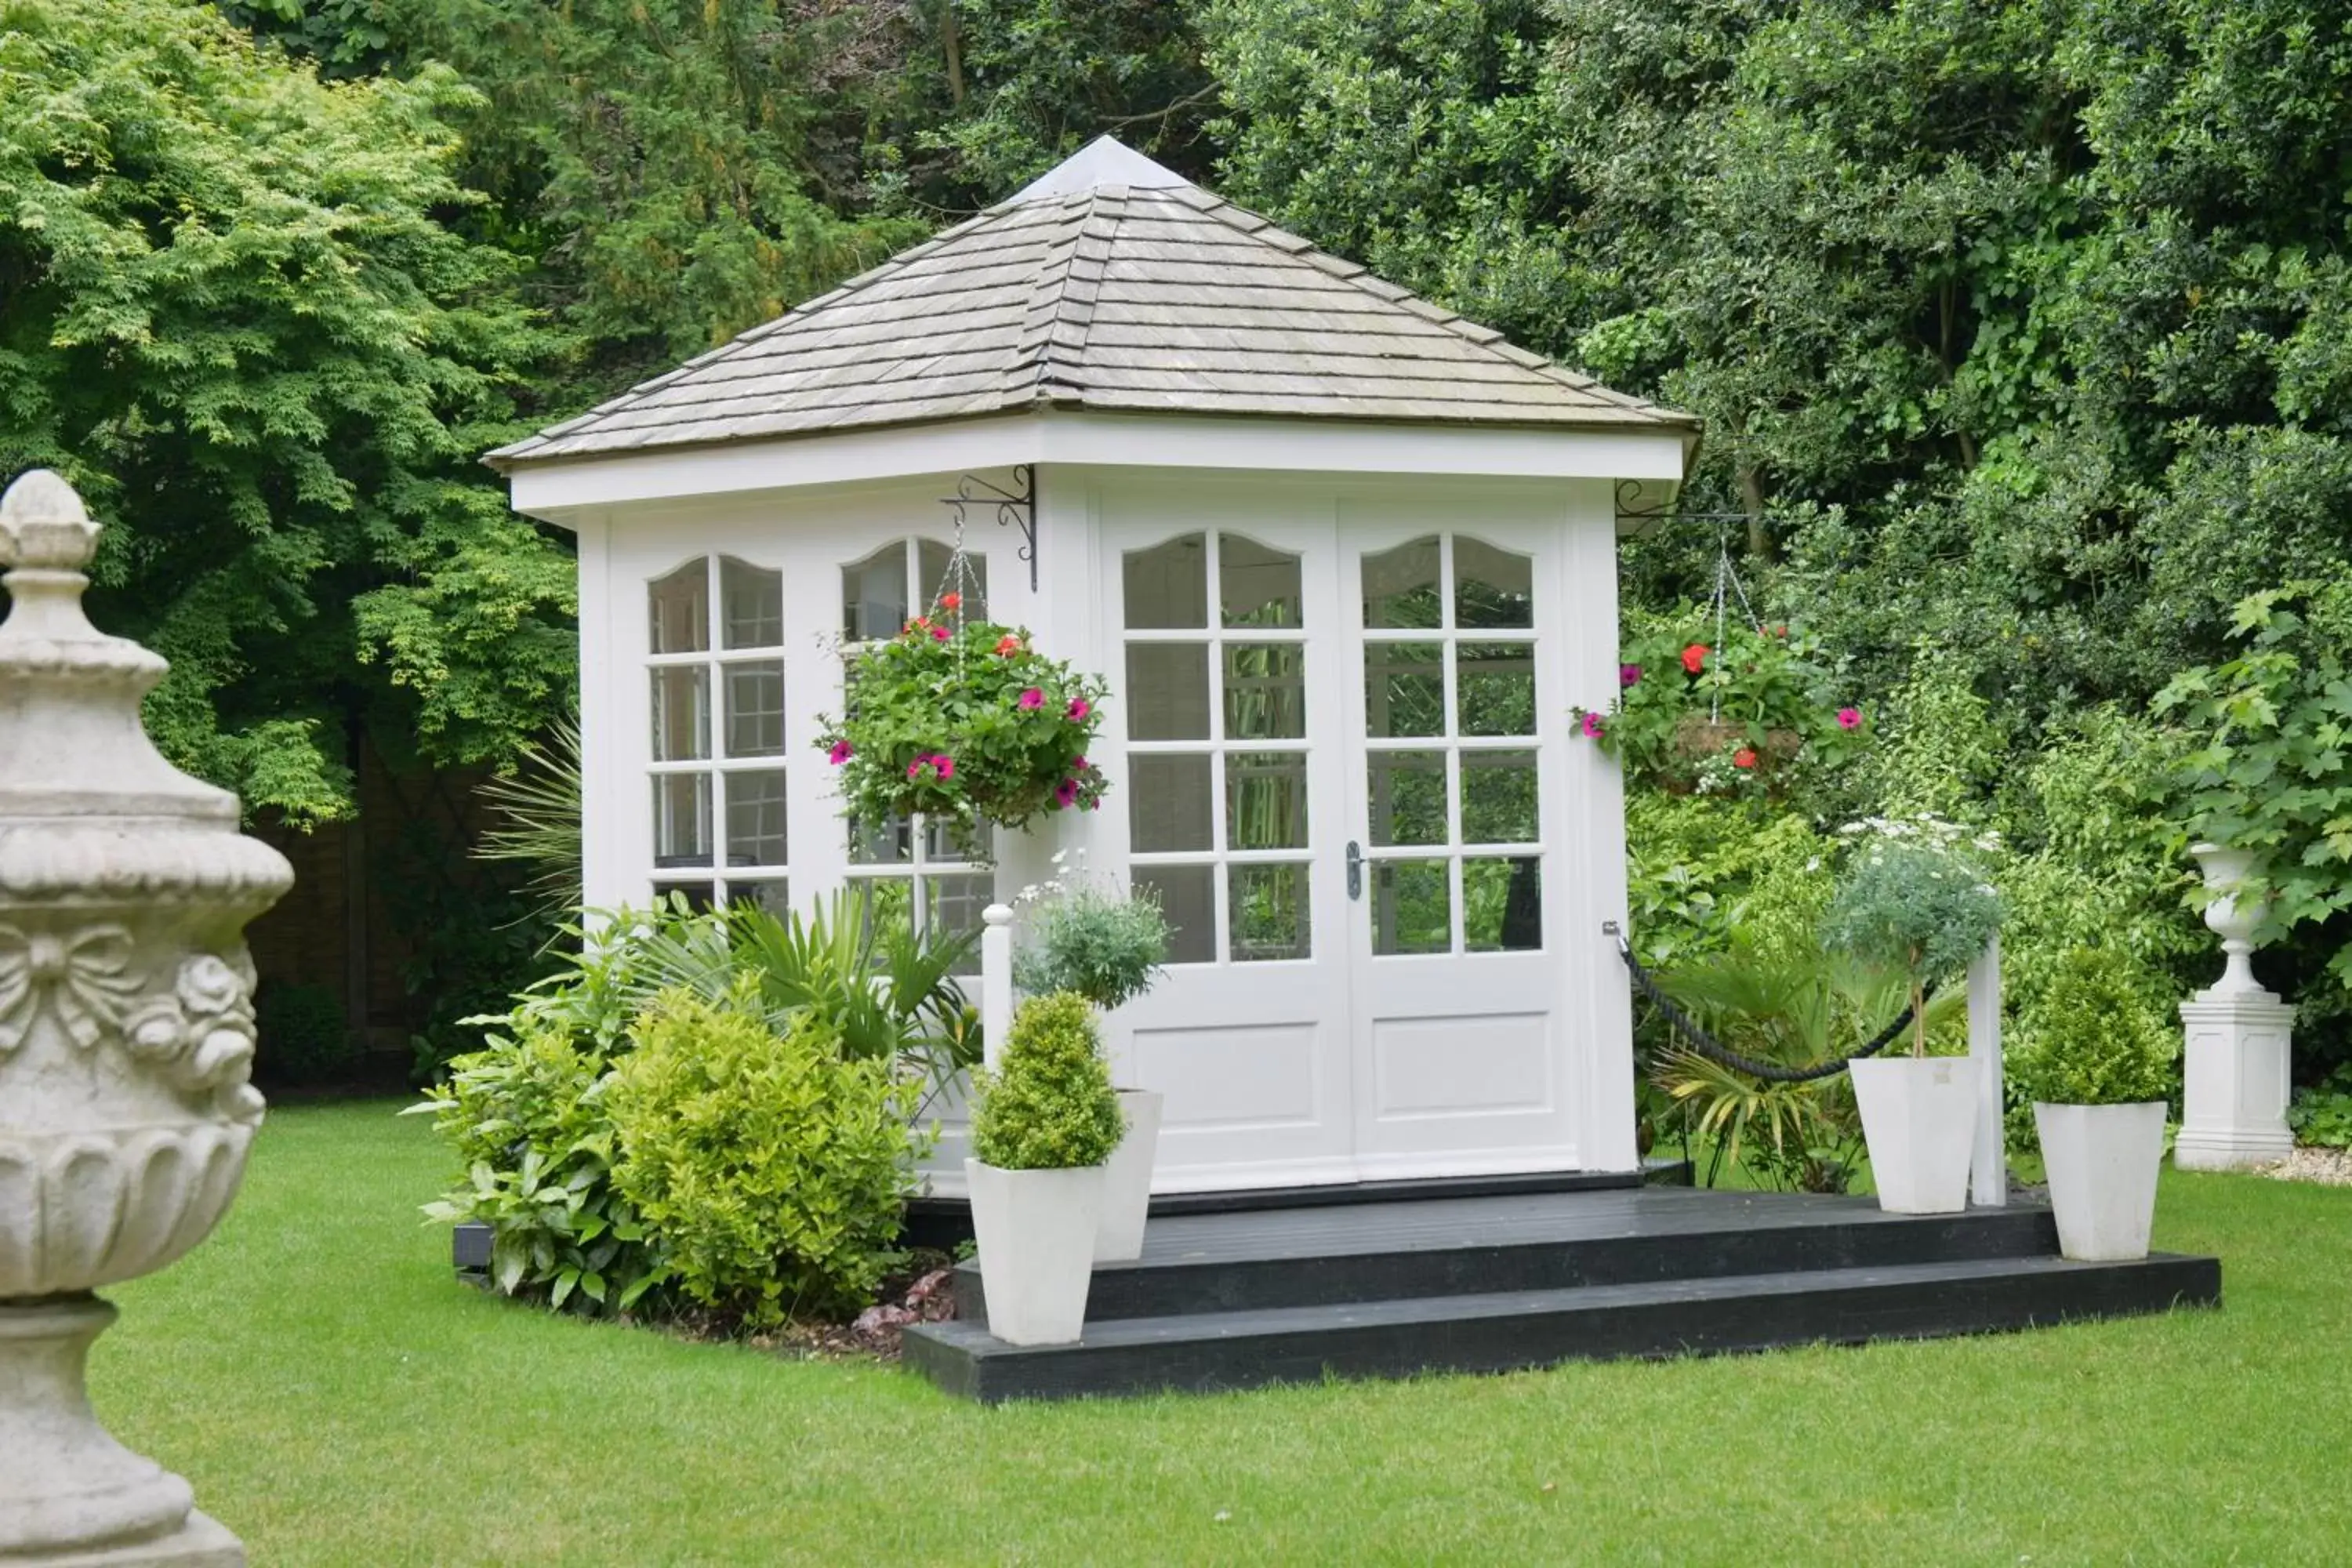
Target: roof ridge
[(1049, 357), (1258, 227)]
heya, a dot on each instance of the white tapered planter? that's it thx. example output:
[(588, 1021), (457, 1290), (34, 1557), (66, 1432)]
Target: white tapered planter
[(1036, 1236), (1127, 1179), (1918, 1116), (2102, 1163)]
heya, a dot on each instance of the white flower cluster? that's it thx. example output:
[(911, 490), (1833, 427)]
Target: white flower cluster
[(1928, 829)]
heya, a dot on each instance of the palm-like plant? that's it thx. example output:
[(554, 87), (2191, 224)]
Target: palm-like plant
[(1793, 1011), (891, 994), (537, 826)]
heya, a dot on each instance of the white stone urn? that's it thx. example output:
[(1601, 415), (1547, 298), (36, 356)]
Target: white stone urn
[(2228, 918), (126, 1040)]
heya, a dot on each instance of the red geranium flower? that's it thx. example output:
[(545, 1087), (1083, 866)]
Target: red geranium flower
[(1007, 644), (950, 601), (1695, 658), (1743, 758)]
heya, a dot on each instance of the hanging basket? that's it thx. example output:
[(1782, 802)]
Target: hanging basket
[(964, 722), (1697, 737)]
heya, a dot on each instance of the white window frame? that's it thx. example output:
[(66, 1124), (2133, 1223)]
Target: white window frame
[(1215, 635), (726, 883)]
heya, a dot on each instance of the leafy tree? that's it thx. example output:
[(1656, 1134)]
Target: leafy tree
[(228, 312)]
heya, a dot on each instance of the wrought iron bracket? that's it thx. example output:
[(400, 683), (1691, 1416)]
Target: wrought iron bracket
[(1016, 508)]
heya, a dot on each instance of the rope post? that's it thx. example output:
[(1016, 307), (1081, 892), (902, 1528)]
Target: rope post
[(995, 982), (1988, 1164)]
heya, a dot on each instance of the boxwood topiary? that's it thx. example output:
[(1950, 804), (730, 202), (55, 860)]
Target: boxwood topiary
[(1048, 1106), (2090, 1040)]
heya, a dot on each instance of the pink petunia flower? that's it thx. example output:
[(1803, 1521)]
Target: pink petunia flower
[(1031, 701), (1627, 674), (842, 752), (1591, 726), (939, 634), (915, 769), (1066, 792), (1080, 708), (1849, 718), (1077, 764), (945, 766)]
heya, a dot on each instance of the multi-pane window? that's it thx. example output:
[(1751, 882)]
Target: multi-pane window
[(912, 874), (1215, 700), (1451, 772), (716, 674)]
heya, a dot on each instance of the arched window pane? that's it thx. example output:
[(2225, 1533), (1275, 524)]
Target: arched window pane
[(680, 603), (752, 603), (874, 596), (1400, 586), (1168, 586), (1259, 587), (1492, 588)]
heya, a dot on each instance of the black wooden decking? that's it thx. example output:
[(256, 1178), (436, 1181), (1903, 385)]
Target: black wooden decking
[(1491, 1283)]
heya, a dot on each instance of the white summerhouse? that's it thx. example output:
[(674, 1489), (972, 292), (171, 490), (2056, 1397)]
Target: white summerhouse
[(1347, 561)]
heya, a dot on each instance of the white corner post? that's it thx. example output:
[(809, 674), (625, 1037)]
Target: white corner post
[(995, 981), (1989, 1161), (2238, 1040), (126, 1041)]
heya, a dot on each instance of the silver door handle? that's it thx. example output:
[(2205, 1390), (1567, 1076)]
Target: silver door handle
[(1355, 870)]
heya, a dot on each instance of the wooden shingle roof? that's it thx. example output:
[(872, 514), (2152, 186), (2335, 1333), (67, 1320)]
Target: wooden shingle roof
[(1110, 284)]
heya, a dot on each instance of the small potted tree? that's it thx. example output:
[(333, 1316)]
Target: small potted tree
[(1046, 1122), (1915, 899), (2096, 1062), (1106, 946)]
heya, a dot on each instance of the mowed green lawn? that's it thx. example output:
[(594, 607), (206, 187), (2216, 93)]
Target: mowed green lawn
[(337, 1398)]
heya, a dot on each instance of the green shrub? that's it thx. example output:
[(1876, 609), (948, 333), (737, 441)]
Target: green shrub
[(1914, 898), (304, 1037), (526, 1116), (1104, 946), (2090, 1040), (773, 1170), (2321, 1113), (1049, 1104)]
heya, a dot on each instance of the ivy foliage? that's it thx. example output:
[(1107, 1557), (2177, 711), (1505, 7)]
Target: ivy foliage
[(230, 312)]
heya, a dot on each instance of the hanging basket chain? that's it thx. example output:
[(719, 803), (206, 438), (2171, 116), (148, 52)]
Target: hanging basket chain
[(1709, 1046), (1726, 584)]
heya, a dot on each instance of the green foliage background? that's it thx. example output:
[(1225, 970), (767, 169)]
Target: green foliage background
[(2023, 329)]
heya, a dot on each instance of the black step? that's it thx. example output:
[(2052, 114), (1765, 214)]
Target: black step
[(1505, 1331), (1280, 1258)]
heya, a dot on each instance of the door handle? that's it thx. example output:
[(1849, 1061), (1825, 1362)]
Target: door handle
[(1355, 870)]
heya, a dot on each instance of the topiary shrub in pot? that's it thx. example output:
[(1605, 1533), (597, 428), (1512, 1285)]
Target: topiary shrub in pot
[(1107, 946), (1915, 899), (1046, 1122), (2098, 1067)]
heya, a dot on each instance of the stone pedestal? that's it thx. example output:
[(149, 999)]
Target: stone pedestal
[(2235, 1070)]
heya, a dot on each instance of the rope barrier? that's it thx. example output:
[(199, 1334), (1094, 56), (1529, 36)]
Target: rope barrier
[(1708, 1046)]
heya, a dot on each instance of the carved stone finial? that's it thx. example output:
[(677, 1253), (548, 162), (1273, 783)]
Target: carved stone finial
[(44, 526), (126, 1038)]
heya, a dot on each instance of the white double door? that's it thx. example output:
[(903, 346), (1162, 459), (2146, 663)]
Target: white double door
[(1344, 776)]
